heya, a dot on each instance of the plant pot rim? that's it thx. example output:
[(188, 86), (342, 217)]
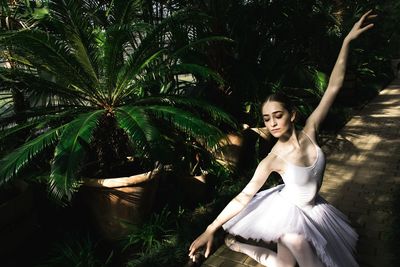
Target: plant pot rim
[(121, 181)]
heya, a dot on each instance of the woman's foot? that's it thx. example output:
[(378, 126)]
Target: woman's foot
[(230, 242)]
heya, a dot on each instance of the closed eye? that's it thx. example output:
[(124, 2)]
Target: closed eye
[(276, 114)]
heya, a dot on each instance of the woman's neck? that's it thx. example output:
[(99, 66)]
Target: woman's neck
[(290, 138)]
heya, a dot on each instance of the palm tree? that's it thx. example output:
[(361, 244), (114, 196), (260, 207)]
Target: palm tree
[(103, 86), (13, 17)]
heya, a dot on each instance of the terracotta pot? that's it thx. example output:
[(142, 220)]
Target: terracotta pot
[(238, 149), (230, 150), (119, 205), (17, 219)]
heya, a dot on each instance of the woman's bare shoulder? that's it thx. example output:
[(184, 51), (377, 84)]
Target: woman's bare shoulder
[(273, 161)]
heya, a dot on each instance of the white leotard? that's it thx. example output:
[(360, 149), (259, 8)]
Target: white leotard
[(303, 183)]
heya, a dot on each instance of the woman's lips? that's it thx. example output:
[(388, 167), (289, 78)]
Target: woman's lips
[(274, 130)]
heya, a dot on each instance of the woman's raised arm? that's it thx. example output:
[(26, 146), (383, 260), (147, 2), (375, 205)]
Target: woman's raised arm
[(337, 76)]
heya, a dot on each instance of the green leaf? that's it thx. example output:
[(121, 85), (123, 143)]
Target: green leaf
[(69, 154), (321, 82), (79, 32), (139, 126), (130, 70), (13, 130), (19, 158), (49, 52), (188, 123), (39, 88), (199, 106), (116, 36)]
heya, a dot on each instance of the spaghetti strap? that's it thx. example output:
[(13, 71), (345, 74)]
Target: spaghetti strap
[(279, 156), (309, 137)]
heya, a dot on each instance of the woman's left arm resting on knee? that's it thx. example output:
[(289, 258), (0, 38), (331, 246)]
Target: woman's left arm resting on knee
[(234, 206), (243, 198)]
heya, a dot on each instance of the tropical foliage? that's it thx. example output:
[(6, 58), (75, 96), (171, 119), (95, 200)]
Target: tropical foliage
[(291, 46), (101, 82)]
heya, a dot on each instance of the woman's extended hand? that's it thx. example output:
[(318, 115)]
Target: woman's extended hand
[(361, 26), (206, 238)]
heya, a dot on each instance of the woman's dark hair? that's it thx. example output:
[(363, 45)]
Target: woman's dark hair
[(281, 98)]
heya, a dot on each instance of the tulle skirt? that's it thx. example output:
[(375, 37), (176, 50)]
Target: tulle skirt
[(269, 215)]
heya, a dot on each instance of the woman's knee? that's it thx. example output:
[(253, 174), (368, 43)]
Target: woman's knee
[(295, 242), (301, 249), (285, 256)]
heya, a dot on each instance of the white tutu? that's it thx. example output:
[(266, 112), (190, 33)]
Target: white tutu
[(269, 215)]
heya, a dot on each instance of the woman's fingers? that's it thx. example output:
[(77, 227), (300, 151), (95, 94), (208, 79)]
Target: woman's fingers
[(369, 26), (195, 244), (362, 25), (192, 245), (199, 242), (368, 20), (363, 17), (208, 249), (372, 16), (192, 249), (363, 20)]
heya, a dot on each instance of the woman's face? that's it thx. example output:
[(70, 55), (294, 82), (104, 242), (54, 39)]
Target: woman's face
[(276, 118)]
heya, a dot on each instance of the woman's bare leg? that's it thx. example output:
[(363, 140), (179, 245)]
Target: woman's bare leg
[(301, 250), (285, 256), (265, 256)]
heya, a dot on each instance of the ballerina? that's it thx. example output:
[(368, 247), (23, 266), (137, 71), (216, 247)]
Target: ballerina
[(306, 228)]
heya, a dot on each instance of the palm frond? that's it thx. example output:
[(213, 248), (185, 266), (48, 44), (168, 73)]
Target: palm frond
[(39, 88), (151, 45), (5, 8), (69, 153), (199, 106), (188, 123), (123, 11), (140, 128), (78, 30), (117, 42), (39, 119), (46, 114), (128, 72), (47, 51), (15, 129), (12, 164)]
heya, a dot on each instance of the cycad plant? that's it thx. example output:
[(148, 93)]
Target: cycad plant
[(104, 90)]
